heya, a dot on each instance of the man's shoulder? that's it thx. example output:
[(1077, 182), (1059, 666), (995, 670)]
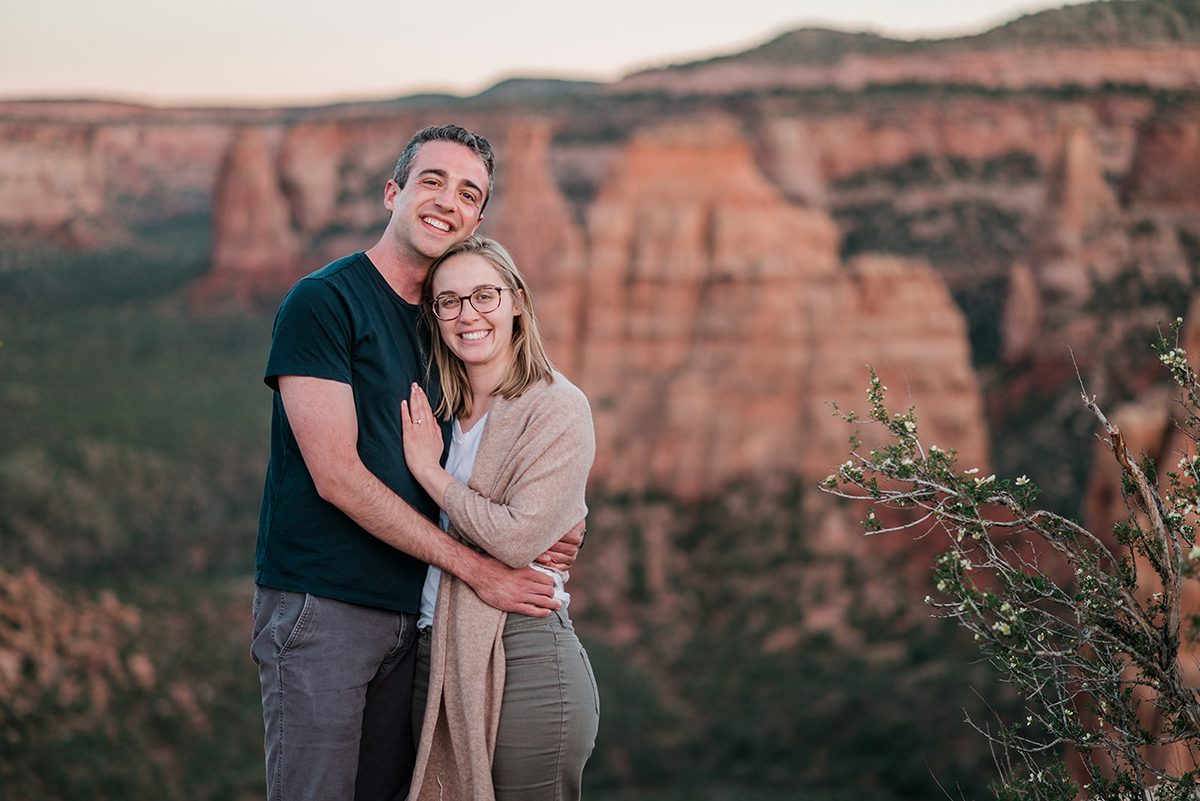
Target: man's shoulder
[(330, 284), (336, 270)]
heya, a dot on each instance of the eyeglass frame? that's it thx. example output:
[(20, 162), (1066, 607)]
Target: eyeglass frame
[(467, 298)]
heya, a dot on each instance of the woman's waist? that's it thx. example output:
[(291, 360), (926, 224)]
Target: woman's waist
[(557, 619)]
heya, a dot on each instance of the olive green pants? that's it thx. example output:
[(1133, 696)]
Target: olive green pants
[(549, 715)]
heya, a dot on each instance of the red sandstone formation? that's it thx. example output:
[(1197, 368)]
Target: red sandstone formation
[(1077, 244), (719, 322), (530, 216), (1022, 322), (706, 315), (1097, 260), (1166, 171), (698, 325), (86, 182), (255, 243), (50, 184), (697, 261)]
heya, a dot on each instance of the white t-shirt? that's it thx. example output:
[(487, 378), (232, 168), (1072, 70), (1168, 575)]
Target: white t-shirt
[(460, 461)]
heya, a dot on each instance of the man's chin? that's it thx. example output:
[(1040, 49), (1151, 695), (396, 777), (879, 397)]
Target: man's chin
[(437, 249)]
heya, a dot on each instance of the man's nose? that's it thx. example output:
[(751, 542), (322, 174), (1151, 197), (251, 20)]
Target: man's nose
[(445, 198)]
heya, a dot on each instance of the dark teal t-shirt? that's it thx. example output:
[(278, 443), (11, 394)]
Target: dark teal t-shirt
[(344, 323)]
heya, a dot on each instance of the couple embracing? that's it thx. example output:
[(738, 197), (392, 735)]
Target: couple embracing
[(393, 651)]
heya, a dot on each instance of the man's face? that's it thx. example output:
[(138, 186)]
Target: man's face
[(441, 203)]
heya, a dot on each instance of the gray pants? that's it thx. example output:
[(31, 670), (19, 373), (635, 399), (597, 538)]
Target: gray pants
[(335, 679), (550, 713)]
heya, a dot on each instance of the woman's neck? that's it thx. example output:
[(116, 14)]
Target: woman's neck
[(484, 380)]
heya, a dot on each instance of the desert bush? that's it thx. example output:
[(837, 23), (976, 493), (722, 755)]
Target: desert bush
[(1089, 627)]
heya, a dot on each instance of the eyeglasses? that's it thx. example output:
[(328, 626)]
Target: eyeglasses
[(484, 299)]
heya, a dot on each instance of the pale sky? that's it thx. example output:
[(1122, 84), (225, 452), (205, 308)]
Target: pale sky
[(248, 52)]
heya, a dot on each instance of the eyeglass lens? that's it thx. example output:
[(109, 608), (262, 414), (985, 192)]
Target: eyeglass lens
[(484, 299)]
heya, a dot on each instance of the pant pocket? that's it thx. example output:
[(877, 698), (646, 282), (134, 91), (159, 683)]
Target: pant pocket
[(295, 617), (587, 666)]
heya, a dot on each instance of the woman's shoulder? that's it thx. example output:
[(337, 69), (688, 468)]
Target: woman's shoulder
[(558, 394), (562, 391)]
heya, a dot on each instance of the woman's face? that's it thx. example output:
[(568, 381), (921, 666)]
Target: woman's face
[(480, 339)]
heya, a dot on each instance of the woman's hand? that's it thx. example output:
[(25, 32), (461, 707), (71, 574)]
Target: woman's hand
[(422, 439), (563, 553)]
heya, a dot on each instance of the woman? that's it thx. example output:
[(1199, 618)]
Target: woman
[(512, 711)]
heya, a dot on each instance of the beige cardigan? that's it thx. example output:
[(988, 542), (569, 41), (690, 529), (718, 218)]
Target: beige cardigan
[(526, 491)]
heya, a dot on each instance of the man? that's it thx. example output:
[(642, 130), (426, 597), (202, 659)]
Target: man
[(345, 531)]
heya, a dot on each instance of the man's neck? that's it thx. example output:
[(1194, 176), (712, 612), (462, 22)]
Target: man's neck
[(405, 273)]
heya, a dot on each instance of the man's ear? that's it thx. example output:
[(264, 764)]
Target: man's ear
[(390, 190), (478, 223)]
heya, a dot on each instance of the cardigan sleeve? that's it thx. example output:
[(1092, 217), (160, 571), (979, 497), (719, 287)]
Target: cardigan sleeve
[(550, 460)]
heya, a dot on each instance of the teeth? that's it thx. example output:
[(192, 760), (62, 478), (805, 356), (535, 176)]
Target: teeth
[(471, 336), (444, 226)]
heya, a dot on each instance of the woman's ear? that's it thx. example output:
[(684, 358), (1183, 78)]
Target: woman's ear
[(517, 307)]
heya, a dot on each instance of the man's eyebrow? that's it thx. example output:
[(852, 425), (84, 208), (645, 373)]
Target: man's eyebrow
[(444, 176), (474, 186)]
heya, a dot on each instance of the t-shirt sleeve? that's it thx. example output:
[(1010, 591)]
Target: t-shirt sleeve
[(312, 335)]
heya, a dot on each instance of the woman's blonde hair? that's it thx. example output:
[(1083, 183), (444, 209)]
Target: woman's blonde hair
[(530, 363)]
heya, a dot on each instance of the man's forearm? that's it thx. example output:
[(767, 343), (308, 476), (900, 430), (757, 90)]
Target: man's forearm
[(386, 515), (383, 513), (322, 415)]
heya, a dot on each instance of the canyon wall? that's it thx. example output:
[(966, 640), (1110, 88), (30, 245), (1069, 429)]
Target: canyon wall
[(740, 234), (748, 253), (709, 317), (86, 183)]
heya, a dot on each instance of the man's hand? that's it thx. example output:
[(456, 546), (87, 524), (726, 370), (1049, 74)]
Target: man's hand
[(562, 554), (521, 590)]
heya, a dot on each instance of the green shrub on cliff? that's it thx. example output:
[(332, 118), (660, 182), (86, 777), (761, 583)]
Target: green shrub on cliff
[(1092, 629)]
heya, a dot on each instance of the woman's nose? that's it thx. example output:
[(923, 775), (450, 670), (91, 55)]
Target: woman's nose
[(467, 311)]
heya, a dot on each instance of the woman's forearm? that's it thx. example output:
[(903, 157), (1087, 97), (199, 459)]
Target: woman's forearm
[(434, 481)]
